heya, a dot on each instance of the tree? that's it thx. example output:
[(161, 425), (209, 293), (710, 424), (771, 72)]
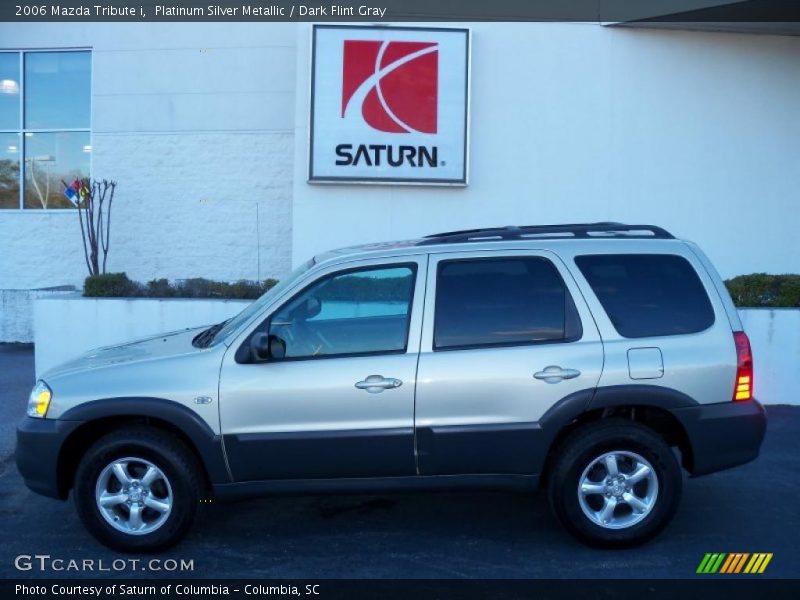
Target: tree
[(93, 201)]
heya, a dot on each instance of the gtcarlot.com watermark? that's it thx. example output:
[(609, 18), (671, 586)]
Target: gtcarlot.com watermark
[(48, 563)]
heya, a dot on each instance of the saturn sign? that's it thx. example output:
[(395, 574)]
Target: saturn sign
[(389, 105)]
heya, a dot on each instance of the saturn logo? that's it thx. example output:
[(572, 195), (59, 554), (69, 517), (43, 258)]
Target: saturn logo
[(394, 85)]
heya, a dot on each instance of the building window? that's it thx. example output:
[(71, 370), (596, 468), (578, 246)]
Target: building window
[(45, 136)]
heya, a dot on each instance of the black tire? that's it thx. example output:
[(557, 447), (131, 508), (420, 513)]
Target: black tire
[(587, 443), (165, 451)]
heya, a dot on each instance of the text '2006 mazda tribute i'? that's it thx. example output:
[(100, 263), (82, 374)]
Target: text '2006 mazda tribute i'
[(597, 360)]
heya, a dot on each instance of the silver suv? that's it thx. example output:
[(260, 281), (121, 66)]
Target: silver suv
[(598, 360)]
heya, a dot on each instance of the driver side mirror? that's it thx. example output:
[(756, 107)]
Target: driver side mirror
[(265, 347)]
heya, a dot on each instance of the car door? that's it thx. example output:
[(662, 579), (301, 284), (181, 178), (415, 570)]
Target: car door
[(340, 401), (505, 337)]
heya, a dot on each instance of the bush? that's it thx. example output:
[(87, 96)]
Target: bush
[(159, 288), (118, 285), (763, 290), (109, 285), (205, 288)]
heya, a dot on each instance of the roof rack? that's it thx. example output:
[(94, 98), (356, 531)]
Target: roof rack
[(573, 230)]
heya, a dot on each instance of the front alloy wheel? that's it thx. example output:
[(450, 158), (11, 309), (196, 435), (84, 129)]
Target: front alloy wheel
[(137, 489), (133, 496)]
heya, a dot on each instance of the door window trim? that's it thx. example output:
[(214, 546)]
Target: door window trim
[(580, 331), (242, 355)]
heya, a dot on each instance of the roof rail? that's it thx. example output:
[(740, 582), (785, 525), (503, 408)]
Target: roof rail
[(573, 230)]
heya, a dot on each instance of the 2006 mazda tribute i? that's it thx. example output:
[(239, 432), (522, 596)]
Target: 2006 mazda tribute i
[(598, 360)]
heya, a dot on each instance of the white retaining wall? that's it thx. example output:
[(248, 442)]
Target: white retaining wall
[(68, 326), (16, 313), (775, 338)]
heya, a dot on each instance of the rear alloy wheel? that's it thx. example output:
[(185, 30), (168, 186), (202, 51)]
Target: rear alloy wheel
[(614, 483), (618, 489), (138, 489)]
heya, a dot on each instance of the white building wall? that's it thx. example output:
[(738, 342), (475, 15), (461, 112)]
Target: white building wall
[(694, 131), (204, 126), (195, 123)]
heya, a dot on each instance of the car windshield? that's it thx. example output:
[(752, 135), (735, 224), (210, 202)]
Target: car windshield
[(227, 327)]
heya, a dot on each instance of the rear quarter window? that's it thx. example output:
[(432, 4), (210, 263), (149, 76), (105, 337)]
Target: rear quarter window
[(648, 295)]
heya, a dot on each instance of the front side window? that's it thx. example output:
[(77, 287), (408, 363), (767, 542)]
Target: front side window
[(45, 100), (502, 302), (648, 295), (355, 312)]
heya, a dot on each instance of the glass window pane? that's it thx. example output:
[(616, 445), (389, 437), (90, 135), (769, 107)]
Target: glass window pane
[(9, 170), (51, 158), (352, 313), (648, 294), (57, 89), (502, 302), (9, 90)]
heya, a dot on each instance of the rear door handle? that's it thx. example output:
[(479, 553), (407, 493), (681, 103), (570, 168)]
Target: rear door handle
[(554, 374), (375, 384)]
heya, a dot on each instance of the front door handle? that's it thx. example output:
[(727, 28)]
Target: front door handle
[(554, 374), (375, 384)]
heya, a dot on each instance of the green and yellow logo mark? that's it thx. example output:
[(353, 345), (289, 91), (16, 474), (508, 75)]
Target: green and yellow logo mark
[(737, 562)]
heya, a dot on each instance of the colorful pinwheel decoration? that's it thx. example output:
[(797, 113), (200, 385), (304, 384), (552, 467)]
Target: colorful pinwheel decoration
[(76, 192)]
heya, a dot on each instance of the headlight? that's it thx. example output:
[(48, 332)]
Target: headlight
[(39, 400)]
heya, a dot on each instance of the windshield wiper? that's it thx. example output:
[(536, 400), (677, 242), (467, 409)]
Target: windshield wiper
[(205, 337)]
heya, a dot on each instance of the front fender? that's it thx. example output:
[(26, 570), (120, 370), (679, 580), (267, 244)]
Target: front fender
[(209, 445)]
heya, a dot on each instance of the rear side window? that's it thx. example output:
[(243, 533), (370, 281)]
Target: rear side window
[(648, 294), (502, 302)]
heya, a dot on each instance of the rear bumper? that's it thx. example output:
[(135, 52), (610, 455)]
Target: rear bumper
[(39, 444), (722, 435)]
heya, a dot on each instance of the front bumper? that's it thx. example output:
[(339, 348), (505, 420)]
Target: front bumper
[(39, 449), (722, 435)]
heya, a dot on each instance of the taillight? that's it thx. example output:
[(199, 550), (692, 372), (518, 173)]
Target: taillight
[(744, 367)]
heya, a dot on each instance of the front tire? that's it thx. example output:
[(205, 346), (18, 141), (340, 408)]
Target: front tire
[(614, 483), (137, 489)]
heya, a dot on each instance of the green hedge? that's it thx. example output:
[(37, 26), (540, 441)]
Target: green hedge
[(763, 290), (118, 285), (754, 290), (111, 285)]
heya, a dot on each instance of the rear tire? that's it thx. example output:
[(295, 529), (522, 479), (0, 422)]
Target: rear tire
[(137, 489), (614, 484)]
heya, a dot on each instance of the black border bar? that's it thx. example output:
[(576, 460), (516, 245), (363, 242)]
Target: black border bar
[(731, 588), (605, 11)]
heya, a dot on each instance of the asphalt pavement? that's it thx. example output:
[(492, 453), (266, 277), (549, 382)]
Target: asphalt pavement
[(753, 508)]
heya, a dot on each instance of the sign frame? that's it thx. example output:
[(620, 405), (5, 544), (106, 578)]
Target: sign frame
[(462, 181)]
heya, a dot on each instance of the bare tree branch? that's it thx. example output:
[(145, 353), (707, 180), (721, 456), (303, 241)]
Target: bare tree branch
[(94, 216)]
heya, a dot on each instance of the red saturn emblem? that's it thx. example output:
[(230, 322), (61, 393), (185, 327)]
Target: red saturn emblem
[(393, 84)]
